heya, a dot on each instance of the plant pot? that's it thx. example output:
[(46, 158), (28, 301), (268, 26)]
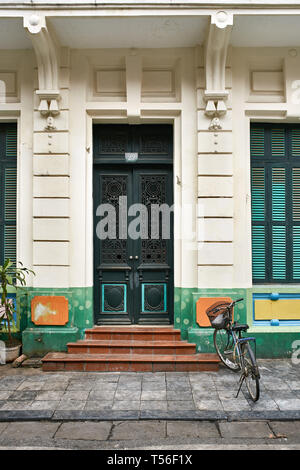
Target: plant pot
[(11, 353)]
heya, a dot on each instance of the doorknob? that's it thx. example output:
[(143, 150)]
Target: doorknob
[(136, 257), (130, 257)]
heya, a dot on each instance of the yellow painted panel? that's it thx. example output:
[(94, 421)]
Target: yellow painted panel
[(282, 309)]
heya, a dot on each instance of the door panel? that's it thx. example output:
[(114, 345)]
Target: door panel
[(133, 276)]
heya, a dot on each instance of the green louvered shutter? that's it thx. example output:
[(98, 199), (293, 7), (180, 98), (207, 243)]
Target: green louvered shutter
[(275, 187), (8, 191), (258, 227)]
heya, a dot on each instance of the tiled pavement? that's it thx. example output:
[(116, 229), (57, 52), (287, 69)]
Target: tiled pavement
[(30, 394)]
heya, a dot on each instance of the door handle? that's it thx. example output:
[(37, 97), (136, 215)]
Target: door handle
[(136, 257), (130, 257)]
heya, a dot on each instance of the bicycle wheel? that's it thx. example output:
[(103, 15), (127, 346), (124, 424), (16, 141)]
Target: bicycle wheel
[(225, 349), (250, 371)]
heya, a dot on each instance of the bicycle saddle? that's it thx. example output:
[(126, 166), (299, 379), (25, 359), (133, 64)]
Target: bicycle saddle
[(238, 327)]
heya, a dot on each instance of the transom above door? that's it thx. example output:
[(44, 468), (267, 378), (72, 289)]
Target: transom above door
[(133, 229)]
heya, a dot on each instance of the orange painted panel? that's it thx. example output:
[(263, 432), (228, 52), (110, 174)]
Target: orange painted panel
[(49, 310), (202, 305)]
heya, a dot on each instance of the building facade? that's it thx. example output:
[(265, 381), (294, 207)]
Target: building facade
[(133, 105)]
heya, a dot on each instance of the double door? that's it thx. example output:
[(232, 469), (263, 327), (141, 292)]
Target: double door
[(133, 244)]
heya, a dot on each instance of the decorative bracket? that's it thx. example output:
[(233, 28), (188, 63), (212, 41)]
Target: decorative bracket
[(215, 93), (47, 55)]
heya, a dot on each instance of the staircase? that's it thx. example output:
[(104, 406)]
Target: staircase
[(131, 349)]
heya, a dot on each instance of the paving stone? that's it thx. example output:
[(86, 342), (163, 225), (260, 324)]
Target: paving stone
[(177, 386), (4, 395), (30, 430), (85, 431), (17, 405), (154, 405), (101, 394), (30, 386), (105, 386), (176, 375), (236, 405), (275, 384), (154, 395), (203, 395), (150, 386), (49, 395), (288, 429), (98, 405), (138, 430), (130, 386), (252, 429), (127, 394), (209, 404), (111, 377), (95, 415), (55, 386), (25, 415), (288, 404), (2, 427), (23, 395), (44, 405), (203, 387), (126, 405), (182, 395), (76, 395), (294, 384), (11, 383), (181, 405), (81, 386), (202, 429), (71, 405), (263, 404)]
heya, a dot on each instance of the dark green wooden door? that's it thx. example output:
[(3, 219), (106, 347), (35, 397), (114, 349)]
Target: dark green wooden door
[(133, 229)]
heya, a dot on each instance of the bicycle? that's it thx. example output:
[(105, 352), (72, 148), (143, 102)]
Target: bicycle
[(233, 349)]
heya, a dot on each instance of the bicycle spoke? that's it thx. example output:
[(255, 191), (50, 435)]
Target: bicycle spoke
[(224, 345)]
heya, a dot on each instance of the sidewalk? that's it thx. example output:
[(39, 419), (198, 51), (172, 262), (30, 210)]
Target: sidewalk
[(33, 395)]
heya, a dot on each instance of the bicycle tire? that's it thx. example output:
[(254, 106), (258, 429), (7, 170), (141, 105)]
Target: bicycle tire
[(224, 347), (250, 369)]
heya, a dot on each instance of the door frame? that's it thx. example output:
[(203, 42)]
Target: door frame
[(184, 188), (127, 271)]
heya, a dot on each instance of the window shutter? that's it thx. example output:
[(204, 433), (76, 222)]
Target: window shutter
[(275, 187), (8, 191)]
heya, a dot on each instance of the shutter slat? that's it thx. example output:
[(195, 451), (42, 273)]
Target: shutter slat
[(279, 252), (257, 142), (296, 252), (278, 194), (11, 142), (258, 194), (295, 142), (10, 196), (258, 253), (278, 142), (10, 243), (296, 194)]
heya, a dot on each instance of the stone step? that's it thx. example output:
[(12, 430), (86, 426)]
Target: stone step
[(139, 333), (130, 362), (131, 347)]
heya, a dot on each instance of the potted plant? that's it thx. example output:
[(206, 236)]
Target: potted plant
[(10, 275)]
